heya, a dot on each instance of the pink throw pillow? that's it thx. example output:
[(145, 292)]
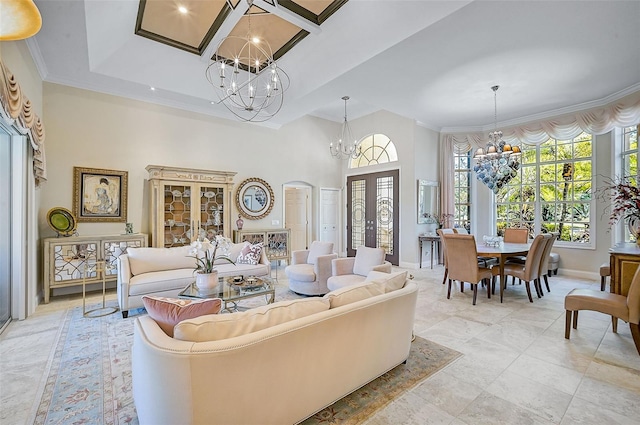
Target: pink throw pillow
[(168, 312), (250, 254)]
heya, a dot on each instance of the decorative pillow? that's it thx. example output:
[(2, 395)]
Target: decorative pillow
[(250, 254), (223, 326), (391, 281), (234, 251), (317, 249), (168, 312), (366, 259), (353, 293)]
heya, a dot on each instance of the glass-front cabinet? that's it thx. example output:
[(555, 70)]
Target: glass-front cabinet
[(187, 202)]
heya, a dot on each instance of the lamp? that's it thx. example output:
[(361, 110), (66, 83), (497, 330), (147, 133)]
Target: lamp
[(346, 146), (246, 78), (499, 161), (19, 19)]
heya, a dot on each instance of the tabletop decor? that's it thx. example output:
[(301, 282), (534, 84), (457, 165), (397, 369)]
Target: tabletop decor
[(205, 253), (624, 195), (440, 220)]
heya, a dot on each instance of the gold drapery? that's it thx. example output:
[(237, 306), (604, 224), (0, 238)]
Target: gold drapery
[(17, 110)]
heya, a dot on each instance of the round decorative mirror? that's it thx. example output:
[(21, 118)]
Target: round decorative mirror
[(254, 198)]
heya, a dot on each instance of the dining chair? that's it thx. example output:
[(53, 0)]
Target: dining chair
[(530, 270), (516, 235), (462, 260), (550, 239), (483, 261), (441, 233), (618, 306)]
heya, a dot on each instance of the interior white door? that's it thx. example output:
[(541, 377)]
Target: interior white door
[(296, 216), (330, 217)]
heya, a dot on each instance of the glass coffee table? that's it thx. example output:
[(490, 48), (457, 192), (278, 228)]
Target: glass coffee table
[(231, 290)]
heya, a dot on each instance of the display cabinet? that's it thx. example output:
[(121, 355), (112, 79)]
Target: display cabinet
[(187, 202), (276, 241), (66, 259)]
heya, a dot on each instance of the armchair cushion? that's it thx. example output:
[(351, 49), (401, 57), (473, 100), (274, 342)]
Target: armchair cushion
[(317, 249), (301, 272), (366, 259), (168, 312)]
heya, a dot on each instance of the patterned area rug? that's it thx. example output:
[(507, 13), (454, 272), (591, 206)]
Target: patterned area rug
[(89, 379)]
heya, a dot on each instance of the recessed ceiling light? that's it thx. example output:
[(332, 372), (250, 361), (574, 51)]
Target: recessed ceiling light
[(183, 10), (152, 88)]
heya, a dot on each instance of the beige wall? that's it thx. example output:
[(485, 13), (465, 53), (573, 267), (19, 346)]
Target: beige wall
[(90, 129)]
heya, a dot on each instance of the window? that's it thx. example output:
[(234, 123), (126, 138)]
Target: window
[(376, 149), (629, 161), (462, 196), (555, 179)]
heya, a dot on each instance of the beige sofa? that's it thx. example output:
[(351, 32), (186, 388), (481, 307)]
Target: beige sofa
[(167, 271), (280, 374)]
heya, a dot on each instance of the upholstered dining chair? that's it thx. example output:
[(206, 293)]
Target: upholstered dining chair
[(462, 260), (516, 235), (310, 269), (550, 239), (482, 261), (530, 270), (441, 233), (618, 306)]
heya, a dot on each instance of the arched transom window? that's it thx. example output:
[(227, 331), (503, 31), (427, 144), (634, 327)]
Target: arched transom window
[(376, 149)]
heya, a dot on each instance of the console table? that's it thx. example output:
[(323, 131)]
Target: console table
[(624, 261), (434, 240)]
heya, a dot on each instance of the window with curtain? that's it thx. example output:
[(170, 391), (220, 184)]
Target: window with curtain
[(628, 148), (462, 194), (552, 191), (376, 149)]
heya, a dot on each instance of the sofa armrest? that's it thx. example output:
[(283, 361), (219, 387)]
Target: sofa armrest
[(341, 266), (300, 256), (123, 276), (385, 268), (322, 268), (265, 260)]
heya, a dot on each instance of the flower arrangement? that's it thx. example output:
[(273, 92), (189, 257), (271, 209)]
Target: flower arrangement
[(624, 195), (205, 253), (439, 219)]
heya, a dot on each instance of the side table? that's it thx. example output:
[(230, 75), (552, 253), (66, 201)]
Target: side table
[(435, 240), (99, 267)]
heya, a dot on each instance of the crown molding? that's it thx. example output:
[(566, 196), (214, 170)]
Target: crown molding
[(36, 55), (581, 107)]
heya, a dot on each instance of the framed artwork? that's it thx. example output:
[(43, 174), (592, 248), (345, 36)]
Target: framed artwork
[(99, 195)]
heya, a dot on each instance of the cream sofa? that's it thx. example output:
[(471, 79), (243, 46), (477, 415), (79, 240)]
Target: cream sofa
[(167, 271), (280, 374)]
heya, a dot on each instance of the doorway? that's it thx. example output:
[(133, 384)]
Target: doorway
[(329, 217), (373, 213), (297, 215)]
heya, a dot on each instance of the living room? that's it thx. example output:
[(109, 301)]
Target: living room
[(91, 128)]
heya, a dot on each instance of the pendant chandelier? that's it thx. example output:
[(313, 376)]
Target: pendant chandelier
[(499, 161), (246, 78), (346, 146)]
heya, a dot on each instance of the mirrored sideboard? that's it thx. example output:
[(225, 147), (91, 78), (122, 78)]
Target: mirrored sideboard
[(67, 259), (276, 241)]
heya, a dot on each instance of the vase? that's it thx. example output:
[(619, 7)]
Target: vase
[(634, 228), (207, 282)]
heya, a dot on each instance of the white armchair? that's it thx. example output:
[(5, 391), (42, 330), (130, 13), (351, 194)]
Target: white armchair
[(310, 269), (352, 270)]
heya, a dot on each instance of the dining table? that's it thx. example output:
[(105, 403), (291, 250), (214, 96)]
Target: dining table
[(502, 251)]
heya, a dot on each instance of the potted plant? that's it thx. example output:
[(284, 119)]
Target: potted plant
[(205, 253), (624, 195)]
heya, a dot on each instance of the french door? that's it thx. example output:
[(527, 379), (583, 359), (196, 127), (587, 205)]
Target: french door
[(373, 213)]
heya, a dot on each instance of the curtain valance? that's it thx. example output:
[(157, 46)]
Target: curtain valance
[(624, 112), (16, 109)]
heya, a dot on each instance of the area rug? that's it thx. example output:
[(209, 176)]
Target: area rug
[(89, 377)]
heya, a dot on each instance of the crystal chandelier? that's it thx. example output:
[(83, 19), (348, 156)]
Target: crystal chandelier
[(499, 161), (246, 78), (346, 146)]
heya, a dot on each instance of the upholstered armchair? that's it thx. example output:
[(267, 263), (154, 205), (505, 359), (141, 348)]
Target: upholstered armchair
[(310, 269), (352, 270)]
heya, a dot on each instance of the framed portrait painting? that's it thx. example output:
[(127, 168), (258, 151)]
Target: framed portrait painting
[(99, 195)]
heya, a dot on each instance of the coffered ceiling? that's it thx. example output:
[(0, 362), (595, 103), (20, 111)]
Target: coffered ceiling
[(427, 60)]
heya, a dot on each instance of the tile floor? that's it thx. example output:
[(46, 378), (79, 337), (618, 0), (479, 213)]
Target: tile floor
[(517, 367)]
